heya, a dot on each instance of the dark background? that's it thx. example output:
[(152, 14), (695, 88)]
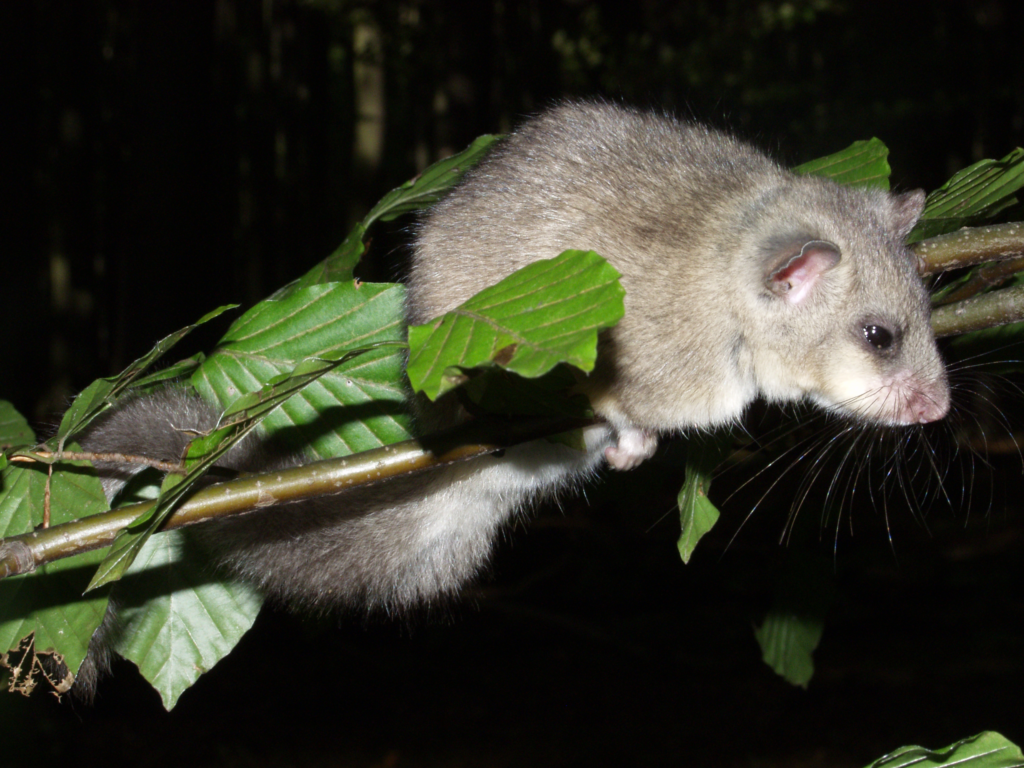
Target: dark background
[(160, 159)]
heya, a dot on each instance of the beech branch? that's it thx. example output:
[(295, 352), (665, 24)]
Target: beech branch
[(970, 246), (964, 310), (24, 553), (986, 311)]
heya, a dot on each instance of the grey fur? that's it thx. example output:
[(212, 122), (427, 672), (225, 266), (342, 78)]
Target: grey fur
[(690, 217), (704, 230)]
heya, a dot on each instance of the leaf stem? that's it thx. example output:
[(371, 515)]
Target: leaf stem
[(171, 467)]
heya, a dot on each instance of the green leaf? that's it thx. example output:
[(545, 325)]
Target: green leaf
[(863, 163), (247, 410), (88, 404), (427, 188), (14, 429), (359, 404), (190, 621), (49, 603), (788, 642), (175, 372), (977, 192), (696, 512), (938, 295), (95, 398), (986, 750), (795, 623), (199, 459), (130, 541), (544, 314)]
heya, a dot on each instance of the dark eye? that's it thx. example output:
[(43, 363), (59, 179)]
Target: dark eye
[(878, 336)]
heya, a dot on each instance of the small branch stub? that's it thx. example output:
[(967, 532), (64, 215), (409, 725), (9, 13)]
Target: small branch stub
[(15, 557)]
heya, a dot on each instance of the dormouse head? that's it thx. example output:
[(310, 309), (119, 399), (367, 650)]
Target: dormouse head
[(841, 313)]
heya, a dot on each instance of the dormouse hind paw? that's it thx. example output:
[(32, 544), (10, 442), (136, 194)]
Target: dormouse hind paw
[(634, 447)]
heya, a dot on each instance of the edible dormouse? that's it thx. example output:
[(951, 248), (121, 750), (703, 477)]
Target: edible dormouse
[(742, 280)]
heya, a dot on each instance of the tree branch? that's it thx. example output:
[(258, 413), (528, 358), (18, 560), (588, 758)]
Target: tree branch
[(984, 278), (24, 553), (969, 246), (963, 310), (986, 311)]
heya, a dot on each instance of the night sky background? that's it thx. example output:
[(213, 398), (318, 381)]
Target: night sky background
[(161, 159)]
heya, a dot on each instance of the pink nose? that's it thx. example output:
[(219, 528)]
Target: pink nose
[(924, 407)]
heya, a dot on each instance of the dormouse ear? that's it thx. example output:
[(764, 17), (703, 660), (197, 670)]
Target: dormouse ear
[(795, 279), (908, 210)]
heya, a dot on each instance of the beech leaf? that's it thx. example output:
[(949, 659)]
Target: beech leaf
[(986, 750), (979, 191), (544, 314), (863, 163)]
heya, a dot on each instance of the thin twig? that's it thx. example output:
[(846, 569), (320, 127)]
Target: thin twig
[(983, 279), (171, 467)]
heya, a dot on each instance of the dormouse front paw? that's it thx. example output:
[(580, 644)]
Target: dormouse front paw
[(634, 447)]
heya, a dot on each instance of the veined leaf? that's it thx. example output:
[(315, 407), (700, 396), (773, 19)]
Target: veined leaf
[(979, 191), (336, 268), (358, 405), (546, 313), (14, 429), (986, 750), (314, 320), (188, 623), (49, 604), (95, 398), (793, 627), (863, 163), (179, 370), (310, 335), (427, 188), (788, 641), (130, 541), (696, 512)]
